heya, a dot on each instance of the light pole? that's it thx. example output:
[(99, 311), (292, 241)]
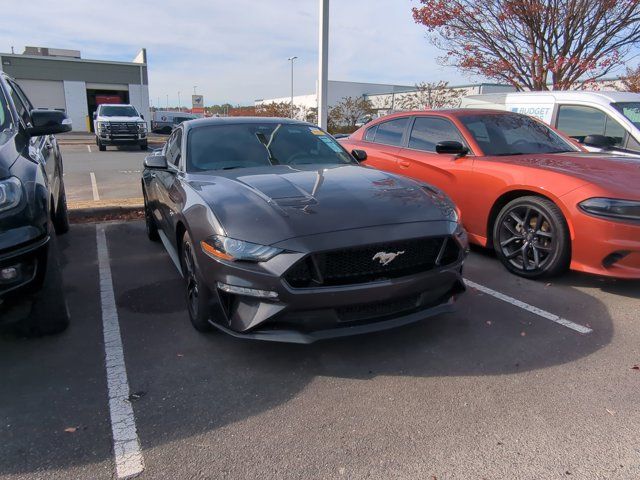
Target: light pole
[(167, 101), (194, 89), (179, 103), (323, 63), (291, 59)]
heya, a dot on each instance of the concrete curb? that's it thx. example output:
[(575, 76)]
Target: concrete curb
[(106, 213)]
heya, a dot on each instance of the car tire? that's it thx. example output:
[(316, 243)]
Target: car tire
[(197, 294), (150, 222), (49, 312), (101, 147), (531, 238), (144, 146), (61, 215)]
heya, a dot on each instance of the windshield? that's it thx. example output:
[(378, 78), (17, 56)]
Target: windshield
[(224, 147), (118, 111), (631, 110), (512, 134)]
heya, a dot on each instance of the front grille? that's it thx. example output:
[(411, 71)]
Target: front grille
[(123, 127), (353, 313), (366, 264)]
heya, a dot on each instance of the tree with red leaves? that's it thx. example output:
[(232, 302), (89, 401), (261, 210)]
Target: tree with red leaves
[(532, 43), (631, 81)]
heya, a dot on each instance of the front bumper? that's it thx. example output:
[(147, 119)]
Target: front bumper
[(29, 261), (304, 315), (107, 136), (605, 247)]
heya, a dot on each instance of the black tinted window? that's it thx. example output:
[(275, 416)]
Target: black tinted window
[(390, 133), (22, 105), (427, 132), (219, 147), (174, 148), (513, 134), (578, 122)]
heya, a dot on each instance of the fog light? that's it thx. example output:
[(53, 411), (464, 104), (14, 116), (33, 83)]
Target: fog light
[(251, 292), (9, 274)]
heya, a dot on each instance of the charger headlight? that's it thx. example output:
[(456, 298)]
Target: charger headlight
[(10, 193), (612, 208), (227, 248)]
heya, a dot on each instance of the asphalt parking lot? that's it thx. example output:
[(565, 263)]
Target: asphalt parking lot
[(93, 176), (499, 389)]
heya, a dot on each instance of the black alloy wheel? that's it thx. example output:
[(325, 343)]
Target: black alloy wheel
[(197, 293), (531, 238)]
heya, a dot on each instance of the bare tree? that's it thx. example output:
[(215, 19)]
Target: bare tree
[(430, 96), (278, 109), (530, 43), (349, 110)]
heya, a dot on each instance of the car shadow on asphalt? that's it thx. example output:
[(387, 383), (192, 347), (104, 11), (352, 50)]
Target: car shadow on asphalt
[(189, 383)]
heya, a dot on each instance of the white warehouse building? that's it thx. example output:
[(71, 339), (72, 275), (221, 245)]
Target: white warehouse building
[(383, 96), (61, 79)]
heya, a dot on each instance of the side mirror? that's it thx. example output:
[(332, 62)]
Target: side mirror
[(359, 155), (48, 122), (142, 116), (95, 115), (451, 148), (599, 141), (157, 162)]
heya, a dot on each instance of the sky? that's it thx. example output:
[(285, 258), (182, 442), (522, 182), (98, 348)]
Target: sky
[(234, 51)]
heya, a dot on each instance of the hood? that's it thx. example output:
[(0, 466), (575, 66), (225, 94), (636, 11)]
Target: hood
[(271, 204), (617, 173), (120, 119)]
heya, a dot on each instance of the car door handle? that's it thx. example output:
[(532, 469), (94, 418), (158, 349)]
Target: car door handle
[(404, 164)]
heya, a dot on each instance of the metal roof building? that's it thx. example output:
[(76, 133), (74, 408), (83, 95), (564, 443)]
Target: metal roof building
[(61, 79)]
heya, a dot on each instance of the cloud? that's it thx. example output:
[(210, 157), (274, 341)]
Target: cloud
[(234, 51)]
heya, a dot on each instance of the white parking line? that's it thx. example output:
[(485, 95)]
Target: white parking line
[(126, 445), (89, 148), (94, 187), (530, 308)]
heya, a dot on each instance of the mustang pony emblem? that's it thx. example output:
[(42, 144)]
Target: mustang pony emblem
[(385, 258)]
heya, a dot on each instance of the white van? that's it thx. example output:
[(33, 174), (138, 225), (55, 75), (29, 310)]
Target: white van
[(603, 121)]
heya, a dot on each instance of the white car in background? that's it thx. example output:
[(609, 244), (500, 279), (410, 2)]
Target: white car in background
[(602, 121)]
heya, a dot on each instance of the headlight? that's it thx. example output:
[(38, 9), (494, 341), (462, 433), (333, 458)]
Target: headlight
[(612, 208), (230, 249), (10, 193), (142, 126), (103, 125)]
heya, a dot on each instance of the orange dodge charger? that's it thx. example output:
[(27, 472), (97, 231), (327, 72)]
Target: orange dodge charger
[(539, 200)]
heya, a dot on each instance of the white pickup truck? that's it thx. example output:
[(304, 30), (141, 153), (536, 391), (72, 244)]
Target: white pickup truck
[(119, 124)]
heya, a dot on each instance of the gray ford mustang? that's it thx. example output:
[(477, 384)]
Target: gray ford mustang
[(281, 235)]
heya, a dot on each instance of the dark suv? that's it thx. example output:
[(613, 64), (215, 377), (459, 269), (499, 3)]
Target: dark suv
[(33, 209)]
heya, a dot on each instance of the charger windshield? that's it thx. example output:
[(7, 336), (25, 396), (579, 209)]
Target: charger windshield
[(512, 134), (226, 147)]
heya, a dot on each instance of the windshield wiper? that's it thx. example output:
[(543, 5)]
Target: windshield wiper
[(267, 144)]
